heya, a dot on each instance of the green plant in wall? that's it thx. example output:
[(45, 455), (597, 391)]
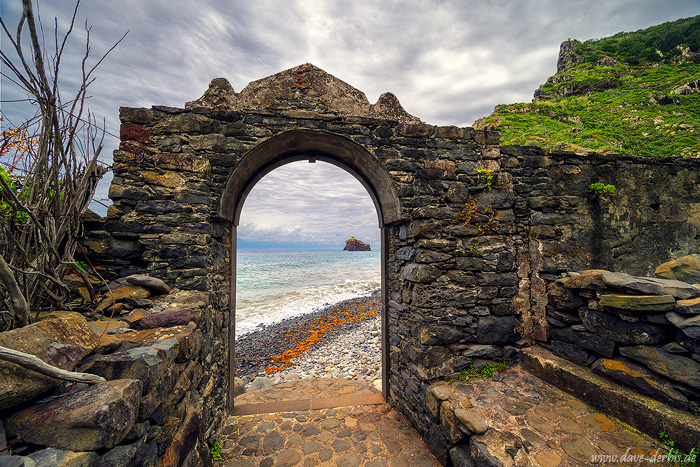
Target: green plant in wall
[(483, 219), (487, 176), (215, 451), (675, 455), (600, 188), (473, 250), (483, 371)]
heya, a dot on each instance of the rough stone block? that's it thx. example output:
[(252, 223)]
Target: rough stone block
[(597, 344), (688, 307), (562, 297), (570, 352), (62, 342), (98, 417), (146, 363), (57, 457), (686, 269), (122, 293), (589, 279), (472, 420), (640, 379), (613, 328), (497, 330), (676, 367)]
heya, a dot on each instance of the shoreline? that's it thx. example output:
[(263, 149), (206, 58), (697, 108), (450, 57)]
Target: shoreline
[(301, 336)]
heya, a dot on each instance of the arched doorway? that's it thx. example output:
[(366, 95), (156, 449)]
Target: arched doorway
[(310, 145)]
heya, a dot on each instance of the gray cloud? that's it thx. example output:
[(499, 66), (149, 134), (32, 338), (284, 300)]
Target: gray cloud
[(449, 62)]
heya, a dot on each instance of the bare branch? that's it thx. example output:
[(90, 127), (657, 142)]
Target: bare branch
[(35, 363)]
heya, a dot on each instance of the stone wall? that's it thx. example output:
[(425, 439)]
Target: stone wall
[(149, 410), (473, 233), (643, 333)]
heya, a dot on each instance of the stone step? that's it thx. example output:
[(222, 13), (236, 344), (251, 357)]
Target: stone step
[(647, 415)]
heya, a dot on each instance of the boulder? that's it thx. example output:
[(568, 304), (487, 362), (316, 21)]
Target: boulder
[(62, 342), (613, 328), (152, 283), (51, 457), (639, 302), (146, 363), (672, 366), (98, 417), (686, 269), (167, 318), (641, 380)]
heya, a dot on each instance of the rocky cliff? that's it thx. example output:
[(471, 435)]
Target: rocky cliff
[(353, 244)]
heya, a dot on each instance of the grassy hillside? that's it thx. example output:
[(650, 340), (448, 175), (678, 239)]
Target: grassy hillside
[(632, 93)]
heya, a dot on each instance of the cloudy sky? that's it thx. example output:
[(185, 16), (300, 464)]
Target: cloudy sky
[(448, 61)]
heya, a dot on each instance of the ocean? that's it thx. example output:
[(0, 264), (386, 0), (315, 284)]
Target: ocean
[(272, 285)]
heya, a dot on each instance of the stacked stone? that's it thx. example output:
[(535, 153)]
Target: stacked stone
[(641, 332), (148, 410)]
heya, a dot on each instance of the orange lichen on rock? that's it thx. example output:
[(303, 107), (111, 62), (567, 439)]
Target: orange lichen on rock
[(303, 339)]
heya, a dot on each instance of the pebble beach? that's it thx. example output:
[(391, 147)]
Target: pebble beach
[(342, 340)]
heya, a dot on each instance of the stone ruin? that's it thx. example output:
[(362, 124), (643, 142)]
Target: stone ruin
[(479, 242)]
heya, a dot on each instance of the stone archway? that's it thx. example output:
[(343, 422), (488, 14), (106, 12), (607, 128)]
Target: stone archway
[(313, 146)]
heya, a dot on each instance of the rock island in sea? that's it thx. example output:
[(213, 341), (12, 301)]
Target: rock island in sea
[(353, 244)]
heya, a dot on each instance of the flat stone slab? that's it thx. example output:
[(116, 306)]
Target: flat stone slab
[(639, 302), (614, 400), (551, 427), (357, 435)]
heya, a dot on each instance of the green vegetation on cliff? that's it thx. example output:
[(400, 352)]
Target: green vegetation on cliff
[(632, 93)]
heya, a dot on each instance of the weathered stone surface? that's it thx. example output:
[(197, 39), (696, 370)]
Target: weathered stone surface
[(677, 289), (491, 449), (151, 283), (184, 439), (639, 302), (51, 457), (613, 328), (686, 269), (439, 334), (129, 291), (597, 344), (571, 352), (95, 418), (189, 339), (167, 318), (61, 342), (562, 297), (688, 307), (589, 279), (448, 423), (420, 272), (641, 380), (482, 351), (691, 327), (146, 363), (675, 367), (497, 330), (461, 457), (472, 420)]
